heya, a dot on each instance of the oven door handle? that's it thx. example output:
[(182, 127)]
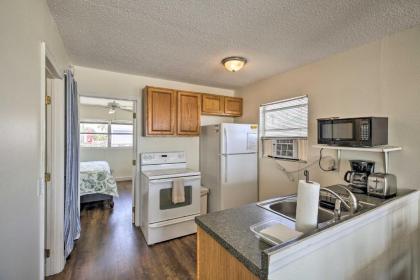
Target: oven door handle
[(174, 221), (157, 181)]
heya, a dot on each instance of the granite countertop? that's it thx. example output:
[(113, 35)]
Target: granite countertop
[(230, 228)]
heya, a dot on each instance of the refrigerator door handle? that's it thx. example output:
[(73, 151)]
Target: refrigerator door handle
[(226, 168), (225, 140), (226, 151)]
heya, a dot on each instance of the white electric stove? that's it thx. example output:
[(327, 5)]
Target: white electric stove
[(160, 218)]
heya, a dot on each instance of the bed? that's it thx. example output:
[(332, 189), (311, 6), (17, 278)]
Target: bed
[(97, 183)]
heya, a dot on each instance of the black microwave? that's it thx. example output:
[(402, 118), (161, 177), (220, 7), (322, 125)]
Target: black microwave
[(353, 132)]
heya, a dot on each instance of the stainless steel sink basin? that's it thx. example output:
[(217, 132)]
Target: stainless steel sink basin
[(286, 207)]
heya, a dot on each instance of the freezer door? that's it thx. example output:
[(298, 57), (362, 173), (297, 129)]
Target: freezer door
[(239, 180), (238, 138)]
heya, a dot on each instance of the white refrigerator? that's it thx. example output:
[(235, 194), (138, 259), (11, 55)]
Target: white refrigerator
[(228, 164)]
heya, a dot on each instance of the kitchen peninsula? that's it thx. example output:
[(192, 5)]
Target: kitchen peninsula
[(228, 249)]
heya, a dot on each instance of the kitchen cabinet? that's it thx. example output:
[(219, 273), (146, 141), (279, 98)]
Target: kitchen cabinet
[(188, 113), (221, 105), (212, 104), (233, 106), (215, 262), (160, 111), (170, 112)]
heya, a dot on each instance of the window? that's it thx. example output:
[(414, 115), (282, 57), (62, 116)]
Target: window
[(121, 135), (104, 134), (284, 129), (285, 119), (93, 135)]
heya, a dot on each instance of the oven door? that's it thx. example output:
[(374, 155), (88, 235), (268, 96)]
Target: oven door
[(160, 206)]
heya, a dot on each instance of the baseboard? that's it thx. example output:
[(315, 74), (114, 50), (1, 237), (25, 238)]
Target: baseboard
[(126, 178)]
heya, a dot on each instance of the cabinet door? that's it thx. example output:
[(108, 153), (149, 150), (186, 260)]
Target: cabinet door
[(189, 104), (160, 108), (212, 104), (233, 106)]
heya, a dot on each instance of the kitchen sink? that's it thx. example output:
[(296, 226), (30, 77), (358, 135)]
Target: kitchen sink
[(286, 207)]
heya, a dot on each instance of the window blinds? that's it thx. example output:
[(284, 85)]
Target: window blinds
[(285, 119)]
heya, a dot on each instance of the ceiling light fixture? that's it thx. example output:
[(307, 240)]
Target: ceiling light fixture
[(234, 63)]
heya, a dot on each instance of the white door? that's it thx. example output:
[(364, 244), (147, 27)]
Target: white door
[(48, 171), (238, 138), (239, 180), (135, 170)]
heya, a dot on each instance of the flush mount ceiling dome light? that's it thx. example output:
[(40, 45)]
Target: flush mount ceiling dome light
[(234, 63)]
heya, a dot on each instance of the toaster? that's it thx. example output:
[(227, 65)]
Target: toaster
[(382, 185)]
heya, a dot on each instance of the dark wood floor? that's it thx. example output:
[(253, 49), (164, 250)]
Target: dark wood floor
[(110, 247)]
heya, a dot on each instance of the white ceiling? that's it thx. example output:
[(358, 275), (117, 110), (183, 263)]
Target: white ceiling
[(185, 40)]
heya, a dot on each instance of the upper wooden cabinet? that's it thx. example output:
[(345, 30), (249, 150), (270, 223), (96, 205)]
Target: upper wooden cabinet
[(212, 104), (174, 112), (189, 111), (233, 106), (221, 105), (160, 111)]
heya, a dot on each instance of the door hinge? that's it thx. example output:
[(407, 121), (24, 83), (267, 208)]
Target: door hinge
[(134, 115), (47, 100), (134, 162), (133, 209), (47, 253), (47, 177)]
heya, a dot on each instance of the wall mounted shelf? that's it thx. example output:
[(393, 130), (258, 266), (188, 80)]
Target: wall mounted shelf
[(386, 149)]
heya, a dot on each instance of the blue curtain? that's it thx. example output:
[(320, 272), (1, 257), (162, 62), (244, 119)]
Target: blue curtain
[(71, 186)]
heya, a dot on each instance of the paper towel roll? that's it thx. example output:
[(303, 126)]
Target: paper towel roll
[(307, 206)]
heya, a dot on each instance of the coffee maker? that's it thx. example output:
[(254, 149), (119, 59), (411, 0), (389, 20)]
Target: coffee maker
[(358, 175)]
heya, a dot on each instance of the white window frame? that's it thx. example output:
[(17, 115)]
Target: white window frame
[(263, 111), (108, 133)]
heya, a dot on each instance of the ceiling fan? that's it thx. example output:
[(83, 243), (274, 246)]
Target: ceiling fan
[(113, 106)]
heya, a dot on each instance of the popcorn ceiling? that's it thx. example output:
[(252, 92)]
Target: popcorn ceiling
[(185, 40)]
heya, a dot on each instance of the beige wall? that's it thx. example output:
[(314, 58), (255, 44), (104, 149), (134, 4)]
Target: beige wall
[(23, 25), (94, 82), (380, 79), (119, 159)]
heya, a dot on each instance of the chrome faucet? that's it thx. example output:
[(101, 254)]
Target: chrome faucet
[(351, 205)]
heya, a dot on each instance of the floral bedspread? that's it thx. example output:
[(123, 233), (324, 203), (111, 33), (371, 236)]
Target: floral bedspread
[(96, 177)]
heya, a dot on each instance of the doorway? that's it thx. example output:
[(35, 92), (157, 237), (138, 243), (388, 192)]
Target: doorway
[(52, 165), (107, 152)]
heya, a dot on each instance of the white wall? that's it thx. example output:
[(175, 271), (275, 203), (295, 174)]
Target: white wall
[(119, 159), (95, 82), (380, 79), (23, 25)]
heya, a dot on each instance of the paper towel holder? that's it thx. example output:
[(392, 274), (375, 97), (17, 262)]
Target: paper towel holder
[(306, 174)]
